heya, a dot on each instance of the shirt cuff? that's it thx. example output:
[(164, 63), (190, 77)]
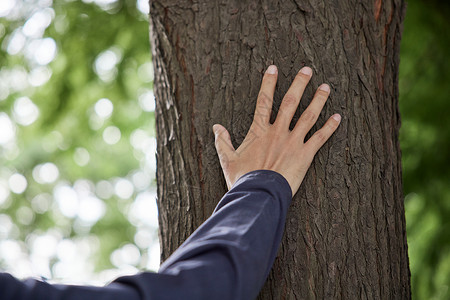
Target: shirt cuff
[(270, 177)]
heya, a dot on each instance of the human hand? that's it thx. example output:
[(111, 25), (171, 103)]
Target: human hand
[(273, 146)]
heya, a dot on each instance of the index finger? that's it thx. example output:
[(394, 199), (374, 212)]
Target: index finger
[(265, 97)]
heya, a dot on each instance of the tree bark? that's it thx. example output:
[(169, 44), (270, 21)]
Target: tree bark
[(345, 232)]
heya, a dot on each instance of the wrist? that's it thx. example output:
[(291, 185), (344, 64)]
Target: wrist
[(273, 176)]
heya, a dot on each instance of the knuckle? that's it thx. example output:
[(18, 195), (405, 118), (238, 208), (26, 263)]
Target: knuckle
[(262, 109), (289, 100), (321, 136), (308, 116), (263, 99)]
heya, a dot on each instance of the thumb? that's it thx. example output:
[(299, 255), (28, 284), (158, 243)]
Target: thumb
[(223, 143)]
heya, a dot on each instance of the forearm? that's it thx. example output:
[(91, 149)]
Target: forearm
[(230, 255), (14, 289)]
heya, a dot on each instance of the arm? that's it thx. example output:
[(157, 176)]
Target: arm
[(31, 289), (230, 255)]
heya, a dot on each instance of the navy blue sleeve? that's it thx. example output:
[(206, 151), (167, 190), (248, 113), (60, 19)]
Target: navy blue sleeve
[(228, 257)]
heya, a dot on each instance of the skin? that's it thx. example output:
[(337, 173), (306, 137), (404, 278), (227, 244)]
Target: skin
[(273, 146)]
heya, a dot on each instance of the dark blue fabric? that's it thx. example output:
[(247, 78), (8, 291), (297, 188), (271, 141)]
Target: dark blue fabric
[(228, 257)]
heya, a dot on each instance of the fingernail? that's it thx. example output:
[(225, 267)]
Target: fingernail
[(272, 70), (306, 71), (337, 117), (325, 87), (215, 128)]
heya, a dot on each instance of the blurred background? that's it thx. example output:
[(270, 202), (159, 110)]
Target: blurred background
[(77, 145)]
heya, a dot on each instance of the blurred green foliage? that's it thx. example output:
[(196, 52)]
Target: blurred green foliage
[(425, 142), (103, 52)]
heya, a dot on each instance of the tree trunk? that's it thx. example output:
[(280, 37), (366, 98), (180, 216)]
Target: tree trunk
[(345, 232)]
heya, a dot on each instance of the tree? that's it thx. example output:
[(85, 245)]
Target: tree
[(345, 233)]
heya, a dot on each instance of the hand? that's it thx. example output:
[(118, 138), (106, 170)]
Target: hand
[(274, 146)]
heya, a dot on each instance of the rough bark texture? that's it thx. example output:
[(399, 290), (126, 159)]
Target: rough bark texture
[(345, 233)]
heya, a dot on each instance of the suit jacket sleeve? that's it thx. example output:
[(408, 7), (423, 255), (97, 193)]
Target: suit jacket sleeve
[(228, 257)]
